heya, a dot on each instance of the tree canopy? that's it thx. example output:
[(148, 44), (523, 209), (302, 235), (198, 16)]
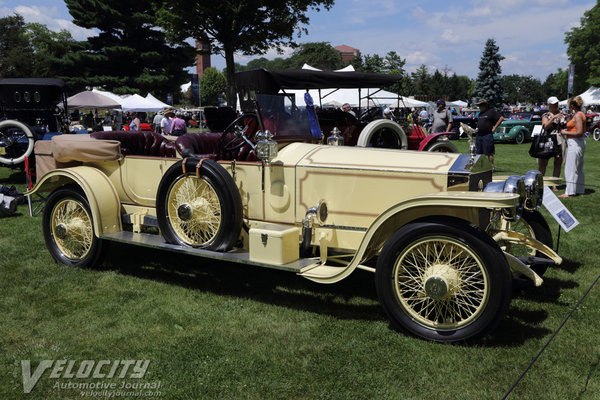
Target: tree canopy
[(15, 52), (246, 26), (489, 80), (212, 85), (130, 54), (584, 50)]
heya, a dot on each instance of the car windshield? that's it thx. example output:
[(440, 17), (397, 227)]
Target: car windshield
[(282, 117)]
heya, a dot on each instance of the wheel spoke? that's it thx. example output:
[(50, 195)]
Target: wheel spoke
[(448, 260)]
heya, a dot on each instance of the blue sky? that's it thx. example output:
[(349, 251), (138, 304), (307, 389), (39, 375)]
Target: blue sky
[(439, 34)]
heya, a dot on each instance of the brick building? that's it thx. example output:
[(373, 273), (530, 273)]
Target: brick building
[(347, 52), (202, 60)]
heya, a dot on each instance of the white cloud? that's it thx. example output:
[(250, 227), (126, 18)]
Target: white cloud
[(48, 16), (449, 36)]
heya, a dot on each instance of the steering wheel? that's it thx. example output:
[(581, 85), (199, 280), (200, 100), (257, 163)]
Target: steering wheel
[(241, 131), (370, 115)]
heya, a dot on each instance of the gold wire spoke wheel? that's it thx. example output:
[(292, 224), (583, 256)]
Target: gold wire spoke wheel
[(441, 283), (194, 210), (72, 229)]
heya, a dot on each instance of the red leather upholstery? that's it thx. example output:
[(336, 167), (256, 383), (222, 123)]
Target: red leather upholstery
[(206, 145), (139, 143)]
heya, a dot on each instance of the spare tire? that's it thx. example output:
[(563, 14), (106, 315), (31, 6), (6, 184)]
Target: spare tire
[(383, 133), (27, 133), (199, 205)]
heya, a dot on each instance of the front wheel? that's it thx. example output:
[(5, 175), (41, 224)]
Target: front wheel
[(441, 282), (69, 230), (596, 134)]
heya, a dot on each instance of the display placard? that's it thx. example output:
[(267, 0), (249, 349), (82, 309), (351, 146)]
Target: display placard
[(558, 210)]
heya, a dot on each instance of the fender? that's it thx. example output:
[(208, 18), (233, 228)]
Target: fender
[(432, 138), (103, 199), (459, 205), (515, 129)]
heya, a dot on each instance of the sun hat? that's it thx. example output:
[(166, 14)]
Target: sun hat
[(482, 101), (553, 100)]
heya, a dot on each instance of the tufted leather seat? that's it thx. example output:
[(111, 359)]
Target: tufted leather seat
[(206, 145), (139, 143)]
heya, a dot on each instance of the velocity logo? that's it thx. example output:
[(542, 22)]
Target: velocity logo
[(71, 369)]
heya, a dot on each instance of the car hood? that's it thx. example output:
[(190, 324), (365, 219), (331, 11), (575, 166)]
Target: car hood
[(365, 158)]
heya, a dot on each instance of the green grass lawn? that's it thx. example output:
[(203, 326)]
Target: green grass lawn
[(213, 330)]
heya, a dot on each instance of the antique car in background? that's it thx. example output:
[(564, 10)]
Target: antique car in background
[(443, 240), (367, 129), (28, 111), (517, 127)]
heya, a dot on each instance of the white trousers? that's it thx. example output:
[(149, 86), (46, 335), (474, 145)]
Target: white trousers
[(574, 166)]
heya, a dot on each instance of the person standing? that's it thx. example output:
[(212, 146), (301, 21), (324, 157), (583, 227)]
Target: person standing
[(575, 135), (552, 122), (423, 116), (165, 124), (442, 118), (135, 123), (178, 126), (487, 122), (156, 121)]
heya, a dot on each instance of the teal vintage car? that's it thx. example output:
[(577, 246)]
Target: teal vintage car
[(517, 128)]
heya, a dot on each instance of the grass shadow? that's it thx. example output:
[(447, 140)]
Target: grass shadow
[(17, 177), (353, 298), (549, 292), (569, 266)]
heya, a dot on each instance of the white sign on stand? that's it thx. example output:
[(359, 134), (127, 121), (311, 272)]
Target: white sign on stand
[(558, 210)]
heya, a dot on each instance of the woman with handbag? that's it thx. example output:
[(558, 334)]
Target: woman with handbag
[(552, 122), (575, 135)]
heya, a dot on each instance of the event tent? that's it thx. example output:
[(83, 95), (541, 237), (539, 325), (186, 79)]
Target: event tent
[(590, 97), (135, 102), (90, 99), (157, 101)]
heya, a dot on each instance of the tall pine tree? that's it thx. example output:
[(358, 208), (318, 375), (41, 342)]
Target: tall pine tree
[(489, 79), (130, 54)]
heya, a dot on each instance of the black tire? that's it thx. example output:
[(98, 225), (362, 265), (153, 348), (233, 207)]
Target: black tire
[(190, 218), (471, 288), (596, 134), (520, 138), (68, 229), (532, 224), (442, 146)]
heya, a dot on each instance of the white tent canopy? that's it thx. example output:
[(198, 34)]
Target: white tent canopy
[(135, 102), (90, 99), (156, 101), (457, 103), (590, 97)]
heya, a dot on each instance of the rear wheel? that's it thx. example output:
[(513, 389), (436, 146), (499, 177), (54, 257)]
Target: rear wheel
[(520, 138), (439, 281), (69, 230), (443, 146), (199, 208)]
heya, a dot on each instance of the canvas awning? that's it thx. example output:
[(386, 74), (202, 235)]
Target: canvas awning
[(90, 99)]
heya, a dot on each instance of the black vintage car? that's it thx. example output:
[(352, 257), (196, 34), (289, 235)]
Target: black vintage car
[(28, 110)]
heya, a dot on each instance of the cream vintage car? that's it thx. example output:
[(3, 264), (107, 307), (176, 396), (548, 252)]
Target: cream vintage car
[(443, 240)]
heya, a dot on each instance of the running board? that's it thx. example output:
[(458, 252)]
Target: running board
[(238, 256)]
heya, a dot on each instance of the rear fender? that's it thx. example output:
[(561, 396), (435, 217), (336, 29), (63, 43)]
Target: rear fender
[(432, 138), (103, 198)]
